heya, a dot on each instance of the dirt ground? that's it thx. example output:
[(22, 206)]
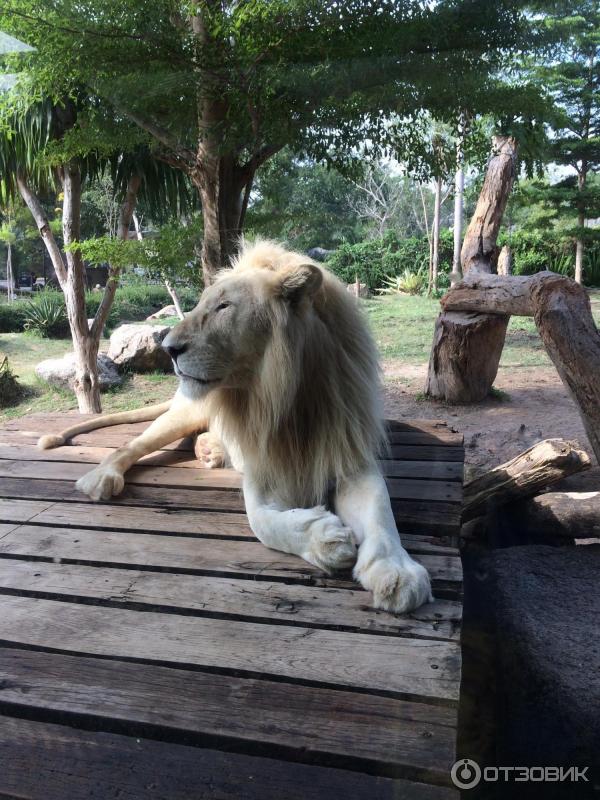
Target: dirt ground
[(531, 404)]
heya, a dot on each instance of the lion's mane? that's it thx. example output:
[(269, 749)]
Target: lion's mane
[(311, 417)]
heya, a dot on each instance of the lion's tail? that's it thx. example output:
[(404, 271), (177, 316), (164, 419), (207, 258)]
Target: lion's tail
[(146, 414)]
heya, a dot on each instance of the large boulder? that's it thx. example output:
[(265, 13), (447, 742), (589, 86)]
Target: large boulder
[(138, 348), (60, 372), (167, 311)]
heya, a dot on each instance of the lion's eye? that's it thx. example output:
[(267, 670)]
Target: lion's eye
[(222, 306)]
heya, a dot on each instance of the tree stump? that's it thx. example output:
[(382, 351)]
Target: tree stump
[(467, 348), (465, 355)]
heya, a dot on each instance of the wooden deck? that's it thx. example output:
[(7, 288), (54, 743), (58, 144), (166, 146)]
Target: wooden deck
[(150, 647)]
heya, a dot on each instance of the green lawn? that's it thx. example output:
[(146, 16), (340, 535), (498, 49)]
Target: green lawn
[(402, 326)]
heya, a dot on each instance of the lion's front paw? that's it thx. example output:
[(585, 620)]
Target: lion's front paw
[(101, 483), (209, 451), (398, 583), (332, 545)]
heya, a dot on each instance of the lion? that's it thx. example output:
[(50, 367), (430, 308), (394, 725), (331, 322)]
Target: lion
[(278, 374)]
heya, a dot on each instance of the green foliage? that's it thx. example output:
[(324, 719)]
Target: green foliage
[(46, 315), (376, 259), (12, 316), (10, 389), (591, 266), (407, 282)]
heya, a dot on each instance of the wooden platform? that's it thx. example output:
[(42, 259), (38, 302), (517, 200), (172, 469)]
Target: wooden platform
[(150, 647)]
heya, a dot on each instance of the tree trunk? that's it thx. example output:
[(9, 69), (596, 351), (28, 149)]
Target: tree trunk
[(435, 245), (86, 385), (467, 347), (10, 278), (221, 193), (505, 261), (459, 190)]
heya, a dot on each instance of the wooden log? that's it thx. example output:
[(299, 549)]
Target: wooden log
[(562, 312), (524, 476), (467, 348), (563, 316), (573, 515), (505, 261)]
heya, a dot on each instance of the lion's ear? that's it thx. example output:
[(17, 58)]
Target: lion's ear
[(302, 281)]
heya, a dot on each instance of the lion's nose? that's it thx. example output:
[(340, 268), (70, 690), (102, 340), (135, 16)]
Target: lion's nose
[(175, 350)]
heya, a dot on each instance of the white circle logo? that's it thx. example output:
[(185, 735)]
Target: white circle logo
[(465, 773)]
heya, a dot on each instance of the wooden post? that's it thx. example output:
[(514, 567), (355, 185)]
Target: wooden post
[(466, 348)]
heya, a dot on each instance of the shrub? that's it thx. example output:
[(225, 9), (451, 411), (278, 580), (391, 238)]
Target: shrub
[(12, 316), (46, 315), (377, 259), (11, 390), (407, 282)]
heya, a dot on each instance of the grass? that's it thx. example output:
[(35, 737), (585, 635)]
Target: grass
[(402, 326)]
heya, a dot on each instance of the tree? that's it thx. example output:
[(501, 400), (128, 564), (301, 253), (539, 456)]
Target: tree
[(220, 87), (571, 75)]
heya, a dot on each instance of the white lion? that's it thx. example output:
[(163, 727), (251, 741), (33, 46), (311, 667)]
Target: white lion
[(279, 374)]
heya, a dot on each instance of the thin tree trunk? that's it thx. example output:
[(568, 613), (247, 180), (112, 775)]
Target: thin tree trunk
[(170, 289), (435, 245), (467, 347), (86, 385), (579, 252), (10, 279), (459, 187)]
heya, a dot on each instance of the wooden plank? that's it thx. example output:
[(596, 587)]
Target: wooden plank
[(396, 666), (317, 726), (141, 476), (425, 517), (434, 470), (43, 761), (443, 437), (216, 556), (426, 452), (185, 479), (154, 520), (209, 499), (258, 600), (412, 516)]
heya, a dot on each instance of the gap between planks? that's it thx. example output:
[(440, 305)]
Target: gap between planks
[(261, 601), (422, 670)]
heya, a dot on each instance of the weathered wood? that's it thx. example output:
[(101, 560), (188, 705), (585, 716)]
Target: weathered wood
[(493, 294), (523, 476), (573, 515), (152, 520), (564, 319), (42, 761), (465, 355), (562, 313), (467, 347), (259, 601), (505, 261), (316, 725), (380, 664), (199, 555), (412, 516)]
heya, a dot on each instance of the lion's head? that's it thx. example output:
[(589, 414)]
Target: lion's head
[(280, 354)]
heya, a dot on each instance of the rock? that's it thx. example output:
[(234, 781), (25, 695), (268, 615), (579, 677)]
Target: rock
[(60, 372), (319, 253), (138, 348), (358, 290), (167, 311)]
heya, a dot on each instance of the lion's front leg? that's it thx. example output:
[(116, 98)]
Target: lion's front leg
[(108, 478), (314, 534), (398, 582)]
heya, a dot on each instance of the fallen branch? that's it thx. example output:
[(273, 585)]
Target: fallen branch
[(523, 476)]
